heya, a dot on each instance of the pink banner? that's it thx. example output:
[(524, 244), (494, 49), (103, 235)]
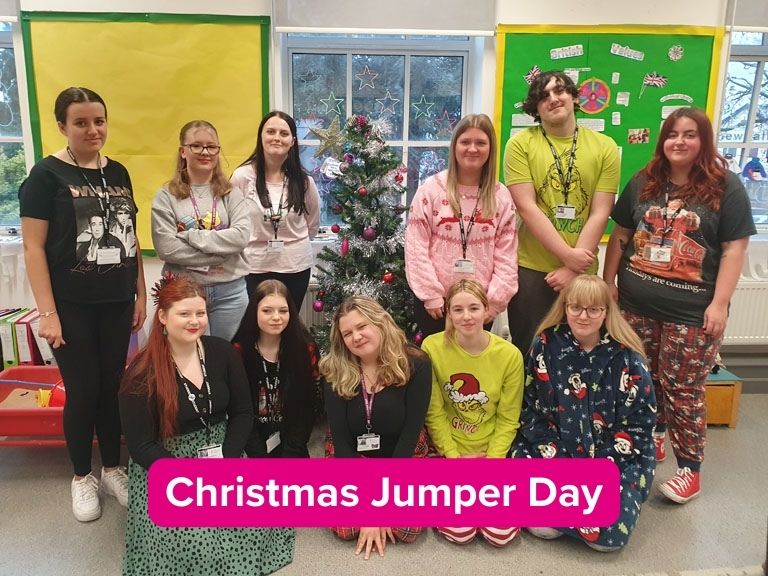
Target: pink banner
[(383, 492)]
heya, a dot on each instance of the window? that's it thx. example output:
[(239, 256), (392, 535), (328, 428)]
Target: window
[(743, 136), (12, 165), (417, 83)]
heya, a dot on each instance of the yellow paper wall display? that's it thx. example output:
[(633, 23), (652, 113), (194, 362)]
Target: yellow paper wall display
[(155, 73)]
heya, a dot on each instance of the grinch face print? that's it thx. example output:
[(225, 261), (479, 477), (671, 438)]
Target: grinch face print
[(464, 392)]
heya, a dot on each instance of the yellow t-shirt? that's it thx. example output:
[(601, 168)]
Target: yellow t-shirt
[(528, 158)]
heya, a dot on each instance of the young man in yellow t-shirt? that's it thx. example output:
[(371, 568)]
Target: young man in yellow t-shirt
[(563, 180)]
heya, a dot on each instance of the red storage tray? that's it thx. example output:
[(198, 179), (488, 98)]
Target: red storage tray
[(33, 421)]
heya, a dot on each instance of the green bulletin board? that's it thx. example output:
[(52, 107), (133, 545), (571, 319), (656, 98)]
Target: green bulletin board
[(651, 71)]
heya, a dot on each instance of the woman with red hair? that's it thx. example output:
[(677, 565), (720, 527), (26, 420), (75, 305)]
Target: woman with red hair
[(682, 229), (186, 395)]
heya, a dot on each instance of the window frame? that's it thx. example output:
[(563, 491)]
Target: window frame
[(381, 45)]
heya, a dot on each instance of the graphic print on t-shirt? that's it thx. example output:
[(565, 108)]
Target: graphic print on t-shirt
[(464, 391), (551, 194), (105, 230), (664, 245)]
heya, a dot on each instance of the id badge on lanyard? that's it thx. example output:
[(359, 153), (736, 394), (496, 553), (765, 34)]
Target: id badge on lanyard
[(368, 441)]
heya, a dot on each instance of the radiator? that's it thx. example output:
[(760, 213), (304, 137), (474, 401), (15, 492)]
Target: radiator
[(748, 321)]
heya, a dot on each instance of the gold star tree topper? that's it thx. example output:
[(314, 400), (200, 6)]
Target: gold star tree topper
[(331, 138)]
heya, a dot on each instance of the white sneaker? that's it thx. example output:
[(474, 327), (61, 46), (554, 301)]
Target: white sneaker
[(115, 483), (545, 533), (85, 498)]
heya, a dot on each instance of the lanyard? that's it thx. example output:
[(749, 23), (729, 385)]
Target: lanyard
[(199, 218), (565, 178), (273, 395), (668, 222), (368, 402), (191, 396), (275, 217), (465, 235), (104, 208)]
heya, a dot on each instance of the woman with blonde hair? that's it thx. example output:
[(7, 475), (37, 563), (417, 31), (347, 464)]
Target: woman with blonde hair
[(200, 226), (462, 225), (477, 392), (376, 397), (588, 394)]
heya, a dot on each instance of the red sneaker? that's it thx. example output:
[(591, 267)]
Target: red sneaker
[(661, 452), (683, 486)]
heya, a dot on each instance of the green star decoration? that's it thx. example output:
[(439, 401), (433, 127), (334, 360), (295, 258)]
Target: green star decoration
[(331, 138), (423, 108), (332, 103)]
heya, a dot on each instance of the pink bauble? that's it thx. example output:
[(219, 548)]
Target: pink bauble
[(369, 234), (344, 246), (318, 305), (418, 338)]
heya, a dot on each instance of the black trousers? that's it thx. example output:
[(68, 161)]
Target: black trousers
[(528, 307), (92, 363)]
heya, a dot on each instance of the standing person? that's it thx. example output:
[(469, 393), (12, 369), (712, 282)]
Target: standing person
[(588, 394), (462, 225), (563, 180), (682, 230), (88, 308), (281, 363), (477, 392), (283, 205), (164, 418), (200, 226), (369, 360)]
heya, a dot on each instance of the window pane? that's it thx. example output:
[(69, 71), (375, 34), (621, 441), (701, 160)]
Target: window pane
[(435, 96), (377, 89), (312, 166), (738, 96), (10, 117), (422, 163), (12, 173), (319, 90), (760, 133), (747, 38)]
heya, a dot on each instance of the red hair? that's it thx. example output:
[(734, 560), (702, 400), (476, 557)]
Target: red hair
[(152, 372), (706, 181)]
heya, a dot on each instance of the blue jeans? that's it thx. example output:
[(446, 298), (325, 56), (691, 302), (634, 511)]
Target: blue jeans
[(226, 306)]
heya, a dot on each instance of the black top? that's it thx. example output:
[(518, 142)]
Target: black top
[(229, 397), (398, 415), (270, 392), (60, 193), (679, 287)]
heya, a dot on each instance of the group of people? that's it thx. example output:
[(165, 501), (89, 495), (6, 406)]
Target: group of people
[(229, 370)]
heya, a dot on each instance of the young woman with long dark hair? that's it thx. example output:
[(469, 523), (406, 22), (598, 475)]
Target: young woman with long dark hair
[(281, 362)]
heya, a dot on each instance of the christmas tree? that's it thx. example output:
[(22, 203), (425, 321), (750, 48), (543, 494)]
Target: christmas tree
[(368, 258)]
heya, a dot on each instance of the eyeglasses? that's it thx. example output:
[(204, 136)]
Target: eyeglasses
[(212, 149), (592, 311)]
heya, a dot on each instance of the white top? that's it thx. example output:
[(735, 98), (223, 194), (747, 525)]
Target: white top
[(295, 230)]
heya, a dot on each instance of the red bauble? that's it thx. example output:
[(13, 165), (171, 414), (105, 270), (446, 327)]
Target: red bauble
[(399, 178), (336, 208), (388, 277), (344, 246), (362, 191), (335, 228), (369, 234), (321, 294)]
